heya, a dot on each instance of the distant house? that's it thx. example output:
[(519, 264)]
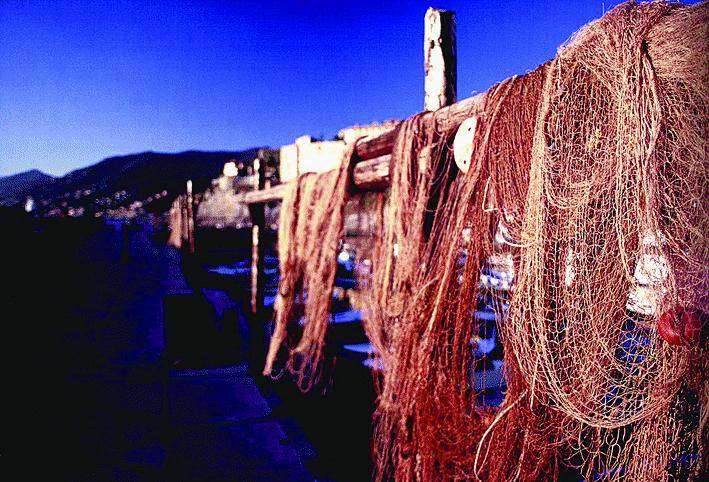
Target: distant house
[(219, 206), (308, 155)]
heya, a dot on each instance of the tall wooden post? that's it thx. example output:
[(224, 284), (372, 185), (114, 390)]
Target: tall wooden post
[(190, 217), (258, 238), (258, 318), (440, 64)]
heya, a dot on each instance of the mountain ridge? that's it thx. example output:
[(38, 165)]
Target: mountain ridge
[(119, 181), (14, 186)]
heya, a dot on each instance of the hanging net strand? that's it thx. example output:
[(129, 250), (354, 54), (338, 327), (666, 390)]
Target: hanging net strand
[(309, 234)]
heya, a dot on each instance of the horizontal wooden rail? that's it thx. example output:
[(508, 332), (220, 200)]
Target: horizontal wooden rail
[(371, 173), (274, 193), (446, 117)]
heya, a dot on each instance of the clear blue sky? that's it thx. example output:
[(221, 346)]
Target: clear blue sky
[(84, 80)]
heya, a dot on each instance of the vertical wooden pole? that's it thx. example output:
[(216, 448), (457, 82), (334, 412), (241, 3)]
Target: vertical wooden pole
[(440, 65), (190, 217), (184, 235), (258, 319), (440, 69), (258, 238)]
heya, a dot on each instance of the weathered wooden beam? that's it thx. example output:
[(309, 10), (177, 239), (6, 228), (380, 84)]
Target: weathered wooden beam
[(439, 49), (446, 117), (372, 170), (274, 193), (372, 174), (369, 175), (377, 146)]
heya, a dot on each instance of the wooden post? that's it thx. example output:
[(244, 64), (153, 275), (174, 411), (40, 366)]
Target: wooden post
[(190, 217), (258, 239), (439, 64), (439, 59), (184, 226), (258, 318)]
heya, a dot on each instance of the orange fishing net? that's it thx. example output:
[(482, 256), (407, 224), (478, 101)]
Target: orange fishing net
[(595, 168), (428, 422), (589, 175), (309, 235), (618, 186)]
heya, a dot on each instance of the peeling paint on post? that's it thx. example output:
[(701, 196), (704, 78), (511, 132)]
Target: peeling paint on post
[(440, 66)]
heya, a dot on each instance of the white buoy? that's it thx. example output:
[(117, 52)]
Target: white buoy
[(463, 143)]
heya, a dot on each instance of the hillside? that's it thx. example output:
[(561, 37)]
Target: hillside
[(122, 181), (15, 188)]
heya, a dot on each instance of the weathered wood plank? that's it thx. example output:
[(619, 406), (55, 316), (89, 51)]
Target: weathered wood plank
[(374, 154), (369, 175)]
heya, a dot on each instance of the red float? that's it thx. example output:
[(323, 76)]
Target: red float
[(667, 327), (682, 327), (692, 322)]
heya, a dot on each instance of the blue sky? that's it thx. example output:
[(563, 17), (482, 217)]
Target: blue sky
[(84, 80)]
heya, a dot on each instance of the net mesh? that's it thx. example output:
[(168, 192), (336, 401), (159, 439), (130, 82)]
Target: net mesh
[(594, 165), (590, 175), (429, 419)]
